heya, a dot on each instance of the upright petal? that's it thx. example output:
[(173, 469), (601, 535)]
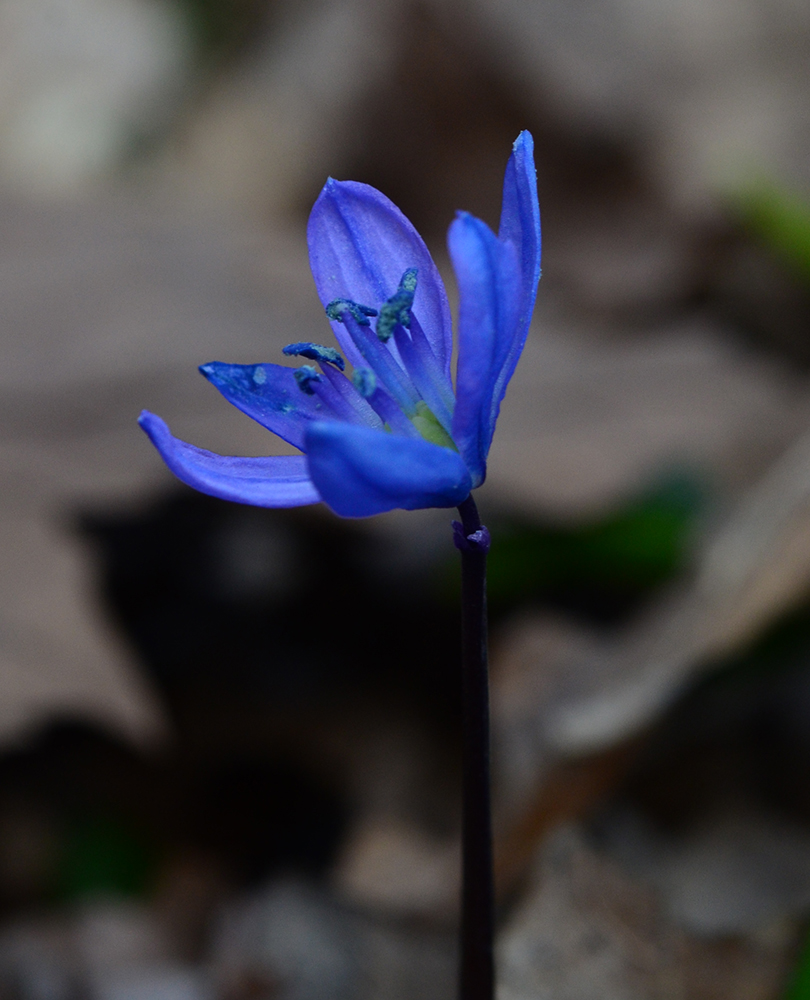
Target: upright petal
[(489, 284), (280, 481), (270, 395), (360, 472), (520, 225), (520, 212), (360, 244)]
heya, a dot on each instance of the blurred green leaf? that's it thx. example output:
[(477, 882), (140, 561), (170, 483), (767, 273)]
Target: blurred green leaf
[(608, 562), (221, 27), (102, 857), (799, 988), (781, 218), (637, 547)]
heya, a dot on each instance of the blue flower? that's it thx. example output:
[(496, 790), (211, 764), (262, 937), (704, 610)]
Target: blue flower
[(395, 433)]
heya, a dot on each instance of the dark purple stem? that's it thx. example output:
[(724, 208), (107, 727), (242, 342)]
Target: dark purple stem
[(477, 974)]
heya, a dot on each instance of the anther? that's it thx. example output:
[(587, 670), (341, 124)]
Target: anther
[(305, 376), (316, 352), (397, 310), (337, 307), (365, 381)]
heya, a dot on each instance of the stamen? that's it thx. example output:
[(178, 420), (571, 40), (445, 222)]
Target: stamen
[(391, 414), (365, 381), (339, 393), (305, 376), (337, 307), (385, 366), (316, 352), (397, 310), (429, 379), (437, 373)]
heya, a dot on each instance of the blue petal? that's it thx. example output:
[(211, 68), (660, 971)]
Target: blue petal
[(360, 244), (520, 225), (489, 284), (270, 395), (520, 211), (281, 481), (360, 472)]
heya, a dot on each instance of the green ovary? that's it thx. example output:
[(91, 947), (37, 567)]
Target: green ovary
[(425, 421)]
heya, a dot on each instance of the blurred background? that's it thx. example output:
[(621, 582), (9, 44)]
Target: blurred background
[(229, 761)]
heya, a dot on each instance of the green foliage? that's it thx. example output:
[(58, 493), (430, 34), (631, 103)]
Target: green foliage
[(220, 27), (781, 218), (635, 548), (799, 988), (606, 563), (103, 857)]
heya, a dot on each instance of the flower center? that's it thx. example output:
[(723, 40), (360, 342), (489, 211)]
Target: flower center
[(403, 382)]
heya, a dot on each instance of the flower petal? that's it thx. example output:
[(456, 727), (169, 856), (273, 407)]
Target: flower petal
[(280, 481), (520, 211), (520, 225), (270, 395), (489, 284), (360, 245), (360, 472)]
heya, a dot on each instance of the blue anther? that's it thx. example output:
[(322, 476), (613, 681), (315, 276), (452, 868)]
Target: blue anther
[(337, 307), (305, 376), (305, 349), (397, 310), (365, 381)]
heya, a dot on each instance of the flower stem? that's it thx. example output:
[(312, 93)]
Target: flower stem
[(477, 970)]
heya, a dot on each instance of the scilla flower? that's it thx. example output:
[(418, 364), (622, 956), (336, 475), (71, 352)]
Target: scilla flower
[(395, 432)]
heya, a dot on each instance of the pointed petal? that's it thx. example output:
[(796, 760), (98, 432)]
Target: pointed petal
[(360, 472), (520, 211), (360, 245), (280, 481), (489, 283), (270, 395), (520, 225)]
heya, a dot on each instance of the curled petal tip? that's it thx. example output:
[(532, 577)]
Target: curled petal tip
[(147, 420), (334, 187), (524, 140), (281, 481)]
